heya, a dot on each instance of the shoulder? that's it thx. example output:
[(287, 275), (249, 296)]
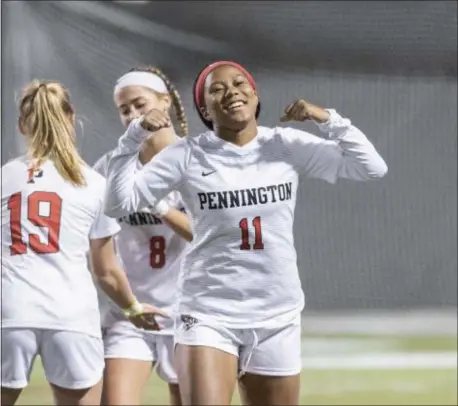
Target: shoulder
[(177, 153), (14, 174), (277, 136), (15, 163), (206, 140), (101, 164), (290, 136), (93, 178)]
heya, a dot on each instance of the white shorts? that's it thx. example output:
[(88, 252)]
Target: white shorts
[(70, 360), (261, 351), (124, 340)]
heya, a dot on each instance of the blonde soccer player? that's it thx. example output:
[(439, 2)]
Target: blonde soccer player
[(52, 216), (150, 251), (241, 296)]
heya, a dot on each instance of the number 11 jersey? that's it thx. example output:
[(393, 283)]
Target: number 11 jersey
[(241, 269)]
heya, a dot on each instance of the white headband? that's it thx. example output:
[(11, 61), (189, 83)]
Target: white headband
[(145, 79)]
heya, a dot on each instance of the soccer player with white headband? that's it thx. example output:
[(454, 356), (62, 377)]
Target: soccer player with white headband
[(149, 248)]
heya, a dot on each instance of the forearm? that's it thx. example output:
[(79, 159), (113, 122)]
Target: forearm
[(179, 222), (116, 286), (155, 143), (123, 194), (175, 219)]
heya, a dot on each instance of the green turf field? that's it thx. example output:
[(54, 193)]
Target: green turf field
[(340, 384)]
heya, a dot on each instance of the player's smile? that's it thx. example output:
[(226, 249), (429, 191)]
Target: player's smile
[(235, 105)]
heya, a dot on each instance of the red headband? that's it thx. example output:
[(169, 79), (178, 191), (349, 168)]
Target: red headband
[(199, 88)]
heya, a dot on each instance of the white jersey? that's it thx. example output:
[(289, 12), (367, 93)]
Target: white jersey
[(46, 227), (241, 269), (152, 255)]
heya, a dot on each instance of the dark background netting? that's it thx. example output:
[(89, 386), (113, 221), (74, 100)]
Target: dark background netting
[(390, 66)]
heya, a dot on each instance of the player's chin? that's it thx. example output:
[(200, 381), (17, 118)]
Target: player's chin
[(236, 119)]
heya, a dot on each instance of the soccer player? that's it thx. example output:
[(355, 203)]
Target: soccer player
[(241, 296), (52, 215), (150, 251)]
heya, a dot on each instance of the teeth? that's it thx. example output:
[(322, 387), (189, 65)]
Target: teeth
[(235, 105)]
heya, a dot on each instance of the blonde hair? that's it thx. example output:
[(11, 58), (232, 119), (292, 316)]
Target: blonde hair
[(176, 98), (46, 117)]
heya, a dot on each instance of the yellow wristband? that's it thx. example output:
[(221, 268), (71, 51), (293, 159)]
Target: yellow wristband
[(134, 310)]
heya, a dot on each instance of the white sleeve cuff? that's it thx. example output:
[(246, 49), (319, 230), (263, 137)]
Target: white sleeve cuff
[(335, 122), (161, 209), (136, 132)]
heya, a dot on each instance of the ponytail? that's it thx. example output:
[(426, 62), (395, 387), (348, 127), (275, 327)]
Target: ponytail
[(47, 118)]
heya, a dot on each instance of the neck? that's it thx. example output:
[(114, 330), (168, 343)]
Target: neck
[(238, 137)]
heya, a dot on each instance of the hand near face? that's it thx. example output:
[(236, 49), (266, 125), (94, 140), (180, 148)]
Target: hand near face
[(155, 120)]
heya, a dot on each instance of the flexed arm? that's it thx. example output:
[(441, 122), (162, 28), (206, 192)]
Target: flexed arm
[(129, 189), (346, 154)]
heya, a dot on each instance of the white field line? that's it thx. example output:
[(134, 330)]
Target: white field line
[(392, 360), (336, 388), (430, 322)]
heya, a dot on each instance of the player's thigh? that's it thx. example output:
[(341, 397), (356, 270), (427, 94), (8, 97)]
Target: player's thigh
[(272, 374), (9, 396), (206, 362), (73, 364), (129, 358), (19, 348), (269, 390), (125, 380), (77, 397)]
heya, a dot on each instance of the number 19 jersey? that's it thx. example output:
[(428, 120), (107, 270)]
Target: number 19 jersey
[(46, 226)]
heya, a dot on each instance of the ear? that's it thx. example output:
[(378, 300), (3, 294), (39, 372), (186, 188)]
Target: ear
[(21, 127), (166, 102), (205, 114)]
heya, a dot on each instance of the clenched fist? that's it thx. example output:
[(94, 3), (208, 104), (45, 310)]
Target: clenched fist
[(155, 119), (302, 110)]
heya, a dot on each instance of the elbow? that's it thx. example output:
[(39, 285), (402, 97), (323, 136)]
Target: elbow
[(115, 211), (112, 212), (379, 170), (367, 171)]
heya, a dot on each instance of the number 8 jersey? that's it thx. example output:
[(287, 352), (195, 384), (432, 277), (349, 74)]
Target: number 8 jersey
[(46, 226), (151, 254)]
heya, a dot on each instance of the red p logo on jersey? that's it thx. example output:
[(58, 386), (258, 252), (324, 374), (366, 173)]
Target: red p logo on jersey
[(34, 173)]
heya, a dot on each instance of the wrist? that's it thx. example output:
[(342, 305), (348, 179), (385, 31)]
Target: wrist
[(136, 130), (134, 309), (161, 209), (318, 114)]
